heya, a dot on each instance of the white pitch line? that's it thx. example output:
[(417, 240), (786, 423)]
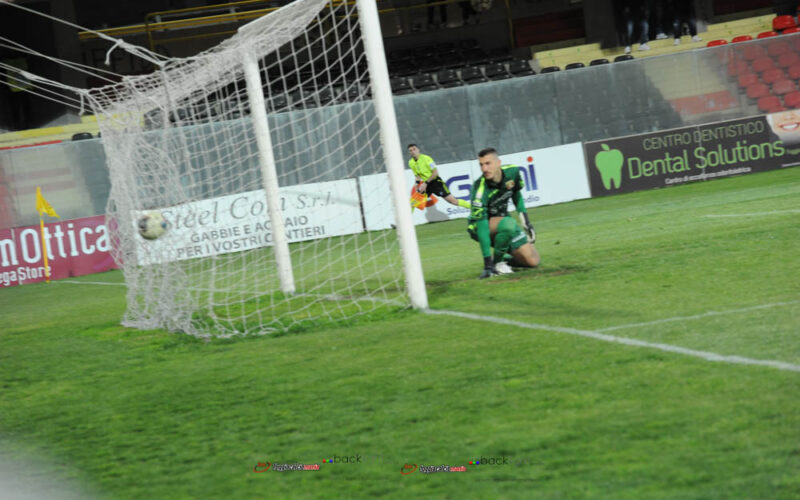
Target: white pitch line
[(708, 356), (756, 214), (698, 316), (74, 282)]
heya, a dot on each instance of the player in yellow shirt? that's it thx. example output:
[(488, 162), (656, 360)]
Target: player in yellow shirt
[(427, 176)]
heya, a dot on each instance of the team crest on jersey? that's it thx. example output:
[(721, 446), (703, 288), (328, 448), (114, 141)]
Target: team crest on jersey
[(510, 184)]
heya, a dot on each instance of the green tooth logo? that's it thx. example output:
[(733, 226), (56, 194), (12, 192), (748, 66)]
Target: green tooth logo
[(609, 164)]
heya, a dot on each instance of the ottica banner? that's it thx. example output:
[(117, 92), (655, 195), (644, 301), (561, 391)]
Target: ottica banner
[(696, 153), (75, 247)]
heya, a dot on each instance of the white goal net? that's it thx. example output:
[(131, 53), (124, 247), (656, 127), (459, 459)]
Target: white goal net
[(181, 143)]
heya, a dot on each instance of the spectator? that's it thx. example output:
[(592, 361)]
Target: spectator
[(658, 12), (628, 14), (442, 16), (683, 12)]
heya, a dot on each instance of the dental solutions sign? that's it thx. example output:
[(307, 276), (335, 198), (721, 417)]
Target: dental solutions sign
[(677, 156)]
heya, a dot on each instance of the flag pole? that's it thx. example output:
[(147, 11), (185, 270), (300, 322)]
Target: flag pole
[(44, 250), (44, 208)]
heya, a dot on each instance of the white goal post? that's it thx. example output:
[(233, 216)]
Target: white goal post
[(252, 151)]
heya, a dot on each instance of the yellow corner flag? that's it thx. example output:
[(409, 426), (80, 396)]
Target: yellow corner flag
[(42, 206)]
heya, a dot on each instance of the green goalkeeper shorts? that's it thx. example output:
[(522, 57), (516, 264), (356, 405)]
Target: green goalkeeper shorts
[(518, 236)]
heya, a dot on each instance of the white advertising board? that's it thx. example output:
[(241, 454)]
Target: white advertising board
[(551, 175), (238, 222)]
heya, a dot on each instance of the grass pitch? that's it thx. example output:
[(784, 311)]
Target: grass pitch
[(95, 409)]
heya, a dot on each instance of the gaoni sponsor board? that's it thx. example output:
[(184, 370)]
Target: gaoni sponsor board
[(690, 154)]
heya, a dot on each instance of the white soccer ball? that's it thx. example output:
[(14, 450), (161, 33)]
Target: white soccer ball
[(151, 225), (481, 5)]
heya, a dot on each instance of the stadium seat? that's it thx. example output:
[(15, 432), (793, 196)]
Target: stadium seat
[(400, 86), (597, 62), (716, 43), (472, 74), (737, 68), (781, 23), (747, 79), (766, 34), (752, 52), (778, 48), (789, 31), (769, 103), (763, 64), (757, 91), (784, 86), (792, 99), (448, 78), (794, 71), (81, 136), (496, 71), (475, 56), (277, 103), (575, 65), (500, 55), (773, 75), (519, 67), (741, 38), (788, 59), (550, 69), (424, 82), (428, 64)]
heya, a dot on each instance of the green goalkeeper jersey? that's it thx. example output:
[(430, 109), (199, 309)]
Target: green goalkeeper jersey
[(490, 199)]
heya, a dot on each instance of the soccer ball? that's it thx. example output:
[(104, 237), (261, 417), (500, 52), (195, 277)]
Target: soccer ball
[(481, 5), (151, 225)]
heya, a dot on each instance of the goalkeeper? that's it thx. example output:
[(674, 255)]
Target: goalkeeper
[(427, 177), (489, 223)]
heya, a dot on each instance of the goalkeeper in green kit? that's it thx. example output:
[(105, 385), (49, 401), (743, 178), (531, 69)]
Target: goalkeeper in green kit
[(489, 223)]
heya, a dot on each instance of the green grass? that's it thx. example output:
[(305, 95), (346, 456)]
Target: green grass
[(146, 414)]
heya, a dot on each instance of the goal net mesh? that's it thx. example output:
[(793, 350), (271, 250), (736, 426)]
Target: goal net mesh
[(180, 141)]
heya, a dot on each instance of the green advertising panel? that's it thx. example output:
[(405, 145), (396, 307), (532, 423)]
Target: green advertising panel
[(698, 153)]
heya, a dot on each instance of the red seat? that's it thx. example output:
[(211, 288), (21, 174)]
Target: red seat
[(784, 86), (794, 71), (738, 67), (741, 38), (716, 43), (769, 103), (763, 64), (792, 30), (773, 75), (792, 99), (747, 79), (777, 48), (752, 52), (757, 91), (781, 23), (766, 34), (788, 59)]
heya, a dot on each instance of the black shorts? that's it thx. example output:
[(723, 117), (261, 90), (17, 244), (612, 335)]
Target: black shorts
[(437, 187)]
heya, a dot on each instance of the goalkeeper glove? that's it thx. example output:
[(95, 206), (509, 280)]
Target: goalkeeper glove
[(529, 228), (488, 268)]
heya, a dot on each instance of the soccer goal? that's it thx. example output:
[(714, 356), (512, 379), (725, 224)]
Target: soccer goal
[(252, 153)]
